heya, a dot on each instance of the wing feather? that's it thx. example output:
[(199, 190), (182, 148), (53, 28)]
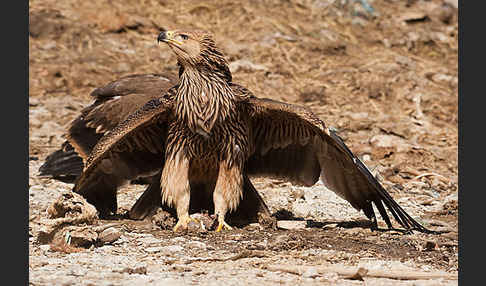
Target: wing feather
[(113, 103), (291, 143), (134, 148)]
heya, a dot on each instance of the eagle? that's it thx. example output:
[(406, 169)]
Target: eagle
[(112, 104), (201, 140)]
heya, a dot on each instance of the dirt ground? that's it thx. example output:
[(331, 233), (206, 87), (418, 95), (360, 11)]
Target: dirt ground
[(387, 81)]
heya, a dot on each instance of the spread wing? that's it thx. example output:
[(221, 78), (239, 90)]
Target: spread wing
[(134, 148), (113, 103), (291, 143)]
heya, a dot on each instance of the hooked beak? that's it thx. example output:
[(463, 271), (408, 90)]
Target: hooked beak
[(162, 37), (168, 37)]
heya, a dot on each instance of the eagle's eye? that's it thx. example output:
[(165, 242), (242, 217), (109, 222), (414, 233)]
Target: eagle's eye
[(182, 37)]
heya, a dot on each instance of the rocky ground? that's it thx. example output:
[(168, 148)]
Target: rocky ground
[(387, 80)]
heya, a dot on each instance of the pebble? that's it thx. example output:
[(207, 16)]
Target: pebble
[(310, 273), (178, 239), (439, 77), (389, 141), (149, 240), (197, 244), (109, 235), (33, 101), (301, 208), (137, 269), (291, 224), (167, 249), (173, 248), (154, 249), (330, 226)]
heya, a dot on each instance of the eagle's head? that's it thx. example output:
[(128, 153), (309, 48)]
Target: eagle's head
[(196, 49)]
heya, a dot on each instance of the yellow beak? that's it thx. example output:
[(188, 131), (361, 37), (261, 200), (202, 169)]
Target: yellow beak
[(168, 37)]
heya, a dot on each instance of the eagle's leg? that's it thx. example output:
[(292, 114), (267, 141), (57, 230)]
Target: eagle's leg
[(148, 201), (174, 183), (227, 192)]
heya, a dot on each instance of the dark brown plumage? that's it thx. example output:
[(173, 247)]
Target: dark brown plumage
[(113, 103), (208, 135)]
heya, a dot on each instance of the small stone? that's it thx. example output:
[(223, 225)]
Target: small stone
[(390, 141), (196, 244), (149, 240), (33, 101), (413, 16), (109, 235), (439, 77), (330, 226), (173, 248), (291, 224), (141, 269), (154, 249), (179, 239), (301, 208), (310, 273)]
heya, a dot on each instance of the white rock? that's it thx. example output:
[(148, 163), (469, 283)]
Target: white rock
[(149, 240), (196, 244), (310, 273), (383, 140), (291, 224), (301, 208), (154, 249), (173, 248)]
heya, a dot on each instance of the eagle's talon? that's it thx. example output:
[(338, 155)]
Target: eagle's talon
[(223, 225), (183, 222)]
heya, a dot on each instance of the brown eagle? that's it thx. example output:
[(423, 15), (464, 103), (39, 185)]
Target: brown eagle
[(112, 104), (206, 136)]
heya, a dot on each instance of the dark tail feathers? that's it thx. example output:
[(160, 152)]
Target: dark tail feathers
[(64, 165), (383, 197)]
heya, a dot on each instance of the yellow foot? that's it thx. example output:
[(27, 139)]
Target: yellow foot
[(183, 222), (224, 225)]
